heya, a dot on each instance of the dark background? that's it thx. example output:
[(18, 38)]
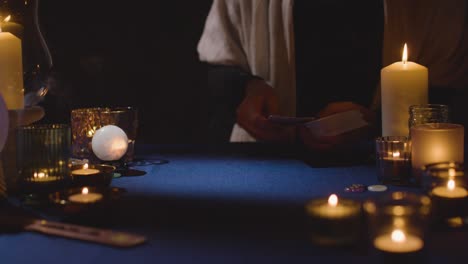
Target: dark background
[(143, 54), (131, 53)]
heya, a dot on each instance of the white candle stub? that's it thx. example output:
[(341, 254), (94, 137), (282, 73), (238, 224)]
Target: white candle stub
[(403, 83), (109, 143)]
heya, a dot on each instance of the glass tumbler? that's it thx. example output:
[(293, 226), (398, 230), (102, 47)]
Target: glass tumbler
[(86, 121), (42, 156)]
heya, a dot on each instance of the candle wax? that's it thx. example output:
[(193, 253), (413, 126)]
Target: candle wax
[(85, 198), (410, 244), (85, 171), (445, 192), (45, 179), (327, 211)]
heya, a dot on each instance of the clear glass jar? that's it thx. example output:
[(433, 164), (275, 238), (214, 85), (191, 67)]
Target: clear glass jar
[(428, 113), (21, 18)]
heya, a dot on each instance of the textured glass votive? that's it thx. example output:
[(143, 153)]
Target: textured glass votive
[(428, 113), (447, 185), (435, 142), (86, 121), (42, 157), (398, 223), (393, 156)]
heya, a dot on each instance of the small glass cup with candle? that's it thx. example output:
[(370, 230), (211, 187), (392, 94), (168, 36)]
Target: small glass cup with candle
[(333, 221), (447, 185), (86, 122), (398, 224), (435, 142), (393, 156), (42, 153), (91, 174)]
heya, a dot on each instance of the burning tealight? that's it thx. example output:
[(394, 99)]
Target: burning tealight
[(85, 196), (333, 220), (109, 143)]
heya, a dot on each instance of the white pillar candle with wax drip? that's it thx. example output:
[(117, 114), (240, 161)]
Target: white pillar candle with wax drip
[(403, 84), (11, 70)]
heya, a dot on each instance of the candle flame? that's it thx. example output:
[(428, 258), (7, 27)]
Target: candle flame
[(39, 175), (85, 190), (398, 236), (85, 167), (451, 185), (396, 154), (333, 200), (7, 19), (405, 54)]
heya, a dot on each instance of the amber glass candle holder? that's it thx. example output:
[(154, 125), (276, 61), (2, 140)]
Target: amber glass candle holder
[(86, 121), (42, 158), (398, 224), (393, 157)]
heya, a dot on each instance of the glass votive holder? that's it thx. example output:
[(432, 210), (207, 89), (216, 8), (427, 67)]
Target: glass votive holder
[(447, 185), (333, 222), (393, 158), (428, 113), (86, 121), (398, 224), (435, 142), (42, 157)]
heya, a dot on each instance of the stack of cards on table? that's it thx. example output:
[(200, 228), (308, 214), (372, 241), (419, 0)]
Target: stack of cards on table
[(331, 125)]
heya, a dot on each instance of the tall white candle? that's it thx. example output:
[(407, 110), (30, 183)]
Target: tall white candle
[(11, 71), (403, 84)]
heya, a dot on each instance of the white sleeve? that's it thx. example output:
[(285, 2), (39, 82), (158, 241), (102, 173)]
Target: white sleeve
[(221, 40)]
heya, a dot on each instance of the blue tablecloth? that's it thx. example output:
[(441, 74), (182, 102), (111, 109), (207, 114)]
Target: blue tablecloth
[(222, 204)]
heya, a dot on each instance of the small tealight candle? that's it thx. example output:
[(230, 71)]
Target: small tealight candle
[(450, 191), (85, 197), (43, 177), (450, 200), (85, 171), (398, 242), (109, 143), (334, 221)]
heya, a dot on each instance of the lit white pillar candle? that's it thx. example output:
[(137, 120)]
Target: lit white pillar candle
[(436, 142), (403, 84), (11, 70)]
